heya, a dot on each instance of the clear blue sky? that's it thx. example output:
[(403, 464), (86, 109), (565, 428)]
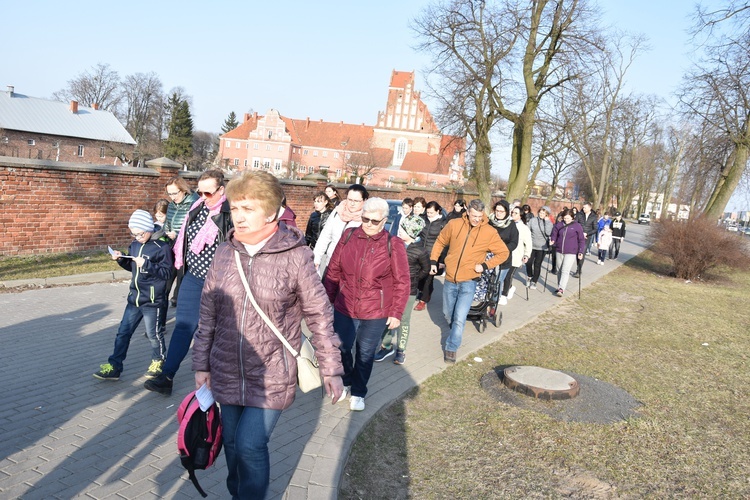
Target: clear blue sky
[(327, 60)]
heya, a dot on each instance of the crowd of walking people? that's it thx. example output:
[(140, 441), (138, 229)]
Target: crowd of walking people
[(242, 269)]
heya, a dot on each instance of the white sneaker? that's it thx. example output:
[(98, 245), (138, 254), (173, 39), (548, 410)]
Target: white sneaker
[(532, 286), (345, 393), (357, 403), (503, 300), (511, 291)]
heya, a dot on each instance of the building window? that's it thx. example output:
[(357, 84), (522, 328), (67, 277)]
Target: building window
[(312, 170), (277, 165), (335, 155), (101, 152), (266, 164), (304, 152), (391, 178), (302, 169), (268, 147), (5, 140), (31, 142), (315, 153), (280, 149), (236, 162), (256, 163), (348, 155), (325, 154), (237, 145), (245, 162), (80, 150), (255, 145), (338, 172)]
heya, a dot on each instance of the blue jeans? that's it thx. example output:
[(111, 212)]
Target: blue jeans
[(366, 333), (246, 431), (457, 298), (186, 323), (131, 318)]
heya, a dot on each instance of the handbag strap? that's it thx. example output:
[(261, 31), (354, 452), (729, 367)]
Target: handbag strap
[(258, 309)]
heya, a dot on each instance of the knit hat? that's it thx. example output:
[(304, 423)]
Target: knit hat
[(546, 209), (141, 220), (412, 226)]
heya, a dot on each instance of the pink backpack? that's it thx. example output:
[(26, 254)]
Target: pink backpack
[(199, 436)]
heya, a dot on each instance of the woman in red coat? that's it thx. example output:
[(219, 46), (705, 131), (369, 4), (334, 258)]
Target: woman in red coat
[(368, 283)]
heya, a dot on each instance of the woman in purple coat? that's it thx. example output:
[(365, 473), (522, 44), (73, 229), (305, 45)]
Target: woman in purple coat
[(235, 353), (567, 237)]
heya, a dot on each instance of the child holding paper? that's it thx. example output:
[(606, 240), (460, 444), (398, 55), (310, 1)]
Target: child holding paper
[(150, 261)]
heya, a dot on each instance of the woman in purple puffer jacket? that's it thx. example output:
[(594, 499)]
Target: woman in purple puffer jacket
[(249, 371), (567, 237)]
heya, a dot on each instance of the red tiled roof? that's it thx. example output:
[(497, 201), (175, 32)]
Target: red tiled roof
[(340, 136), (243, 131)]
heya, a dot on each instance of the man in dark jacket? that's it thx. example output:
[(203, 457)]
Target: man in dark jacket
[(589, 222), (618, 234)]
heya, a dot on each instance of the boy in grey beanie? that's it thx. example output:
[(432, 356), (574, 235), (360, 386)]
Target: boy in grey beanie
[(150, 262)]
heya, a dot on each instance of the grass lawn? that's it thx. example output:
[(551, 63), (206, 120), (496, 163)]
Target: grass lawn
[(681, 349), (52, 265)]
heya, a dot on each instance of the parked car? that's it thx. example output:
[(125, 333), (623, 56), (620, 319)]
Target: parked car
[(394, 208), (734, 229), (644, 219)]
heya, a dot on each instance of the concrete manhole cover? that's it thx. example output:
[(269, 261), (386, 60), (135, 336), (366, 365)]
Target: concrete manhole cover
[(597, 401)]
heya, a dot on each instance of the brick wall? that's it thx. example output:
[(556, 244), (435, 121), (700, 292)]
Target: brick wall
[(52, 207)]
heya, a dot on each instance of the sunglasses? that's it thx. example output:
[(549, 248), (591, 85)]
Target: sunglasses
[(374, 222), (207, 194)]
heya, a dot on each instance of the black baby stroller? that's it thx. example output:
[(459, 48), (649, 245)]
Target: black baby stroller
[(483, 307)]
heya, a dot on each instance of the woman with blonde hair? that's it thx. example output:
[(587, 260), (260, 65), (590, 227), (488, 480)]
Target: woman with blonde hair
[(236, 354)]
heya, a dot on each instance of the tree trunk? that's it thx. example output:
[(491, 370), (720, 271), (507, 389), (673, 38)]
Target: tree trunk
[(481, 172), (520, 163), (727, 183)]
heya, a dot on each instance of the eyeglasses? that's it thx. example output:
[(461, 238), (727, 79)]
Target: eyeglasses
[(374, 222), (207, 194), (354, 201), (173, 194), (137, 236)]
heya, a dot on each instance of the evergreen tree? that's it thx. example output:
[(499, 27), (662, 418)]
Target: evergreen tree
[(178, 145), (230, 123)]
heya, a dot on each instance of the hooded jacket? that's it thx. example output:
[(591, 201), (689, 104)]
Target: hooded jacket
[(366, 280), (541, 230), (249, 365), (177, 212), (148, 284), (618, 228), (468, 246)]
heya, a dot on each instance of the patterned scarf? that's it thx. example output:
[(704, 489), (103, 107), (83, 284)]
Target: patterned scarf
[(206, 235), (347, 215)]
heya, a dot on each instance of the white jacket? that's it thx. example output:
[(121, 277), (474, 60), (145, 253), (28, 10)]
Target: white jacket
[(329, 238), (524, 245)]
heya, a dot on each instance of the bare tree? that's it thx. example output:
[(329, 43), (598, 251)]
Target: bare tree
[(490, 57), (100, 86), (144, 104), (716, 91)]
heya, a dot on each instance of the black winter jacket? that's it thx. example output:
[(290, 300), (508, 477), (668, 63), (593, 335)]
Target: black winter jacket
[(314, 226), (589, 224), (149, 283), (419, 265)]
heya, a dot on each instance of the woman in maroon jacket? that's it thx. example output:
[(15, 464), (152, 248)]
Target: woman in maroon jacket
[(249, 371), (367, 281)]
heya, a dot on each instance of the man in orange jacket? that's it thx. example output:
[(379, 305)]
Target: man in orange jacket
[(468, 239)]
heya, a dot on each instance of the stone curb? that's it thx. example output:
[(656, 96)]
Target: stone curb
[(77, 279)]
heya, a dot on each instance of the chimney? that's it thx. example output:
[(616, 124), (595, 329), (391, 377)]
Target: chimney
[(307, 123), (255, 115), (246, 118), (11, 88), (74, 107), (95, 106)]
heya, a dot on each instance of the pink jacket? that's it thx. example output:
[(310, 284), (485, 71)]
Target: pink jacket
[(249, 366)]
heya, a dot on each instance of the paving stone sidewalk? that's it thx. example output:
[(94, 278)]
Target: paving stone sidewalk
[(68, 435)]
